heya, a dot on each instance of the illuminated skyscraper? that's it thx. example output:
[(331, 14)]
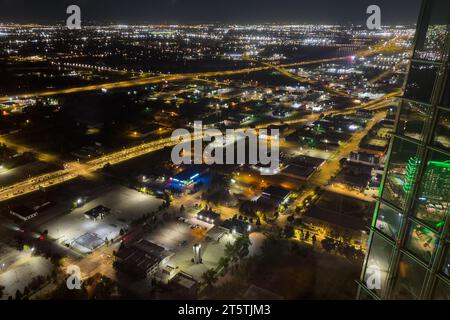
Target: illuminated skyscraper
[(409, 249)]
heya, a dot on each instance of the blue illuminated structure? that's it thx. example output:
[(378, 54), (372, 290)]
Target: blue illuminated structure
[(187, 178)]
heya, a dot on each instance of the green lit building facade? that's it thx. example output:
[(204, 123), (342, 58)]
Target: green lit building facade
[(409, 245)]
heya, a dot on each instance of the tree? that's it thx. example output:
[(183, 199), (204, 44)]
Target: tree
[(248, 208), (209, 277), (223, 262), (18, 295), (229, 250), (328, 244), (299, 250), (289, 231), (104, 288), (242, 245), (350, 252), (56, 259)]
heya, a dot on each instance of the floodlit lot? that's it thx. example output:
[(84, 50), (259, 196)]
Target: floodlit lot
[(171, 236), (126, 205), (179, 238), (212, 251), (19, 275)]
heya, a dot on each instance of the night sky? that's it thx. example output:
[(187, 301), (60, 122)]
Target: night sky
[(196, 11)]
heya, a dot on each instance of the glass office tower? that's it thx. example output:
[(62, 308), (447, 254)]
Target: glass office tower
[(409, 248)]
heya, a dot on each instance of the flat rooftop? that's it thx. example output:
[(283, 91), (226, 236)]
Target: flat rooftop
[(276, 192), (23, 210), (189, 173)]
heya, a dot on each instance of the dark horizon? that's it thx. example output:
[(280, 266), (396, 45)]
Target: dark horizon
[(203, 11)]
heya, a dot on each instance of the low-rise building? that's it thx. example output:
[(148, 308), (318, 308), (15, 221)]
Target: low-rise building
[(366, 114), (365, 158), (278, 195), (143, 259), (187, 179), (185, 284), (236, 226), (24, 213), (97, 213), (208, 216)]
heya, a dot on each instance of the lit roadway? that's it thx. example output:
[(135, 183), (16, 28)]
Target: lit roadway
[(373, 105), (381, 47), (188, 76), (75, 169), (302, 79), (322, 176), (386, 73), (158, 79), (42, 156)]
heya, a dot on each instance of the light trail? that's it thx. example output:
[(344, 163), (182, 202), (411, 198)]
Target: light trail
[(156, 80)]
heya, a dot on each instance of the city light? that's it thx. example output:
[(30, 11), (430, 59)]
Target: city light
[(195, 154)]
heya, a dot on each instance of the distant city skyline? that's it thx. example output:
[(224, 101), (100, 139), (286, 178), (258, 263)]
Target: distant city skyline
[(204, 11)]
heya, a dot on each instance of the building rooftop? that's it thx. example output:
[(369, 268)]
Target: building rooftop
[(208, 215), (137, 260), (235, 225), (307, 161), (275, 192), (298, 171), (189, 174), (98, 211), (23, 210), (141, 257), (341, 211), (149, 247)]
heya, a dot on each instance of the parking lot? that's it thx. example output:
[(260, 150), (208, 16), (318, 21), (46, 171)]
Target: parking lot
[(126, 205), (20, 274), (173, 235), (180, 236)]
